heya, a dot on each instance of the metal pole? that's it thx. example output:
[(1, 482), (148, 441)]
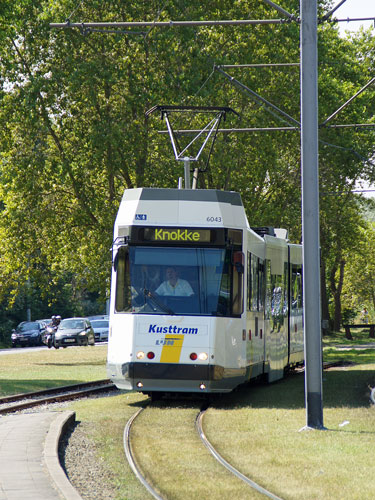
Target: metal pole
[(310, 214), (195, 178), (187, 172)]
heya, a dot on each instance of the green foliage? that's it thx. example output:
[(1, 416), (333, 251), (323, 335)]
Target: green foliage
[(75, 134), (348, 315)]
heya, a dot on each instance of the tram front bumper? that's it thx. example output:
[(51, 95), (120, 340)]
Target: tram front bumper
[(174, 377)]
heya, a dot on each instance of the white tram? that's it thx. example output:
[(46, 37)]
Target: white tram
[(232, 312)]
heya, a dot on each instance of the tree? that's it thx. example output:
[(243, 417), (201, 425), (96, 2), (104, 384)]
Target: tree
[(75, 133)]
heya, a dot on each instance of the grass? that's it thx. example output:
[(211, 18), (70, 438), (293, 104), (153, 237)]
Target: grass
[(336, 347), (257, 429), (359, 337), (42, 369), (259, 432)]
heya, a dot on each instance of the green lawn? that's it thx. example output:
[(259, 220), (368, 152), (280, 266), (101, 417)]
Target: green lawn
[(258, 429), (41, 369)]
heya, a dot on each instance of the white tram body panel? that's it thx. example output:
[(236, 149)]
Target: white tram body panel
[(231, 323)]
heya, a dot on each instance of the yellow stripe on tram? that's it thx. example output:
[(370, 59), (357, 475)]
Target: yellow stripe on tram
[(171, 351)]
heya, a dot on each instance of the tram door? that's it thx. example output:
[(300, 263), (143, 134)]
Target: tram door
[(276, 310), (255, 313)]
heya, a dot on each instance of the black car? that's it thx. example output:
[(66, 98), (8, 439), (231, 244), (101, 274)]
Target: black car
[(27, 333), (74, 331)]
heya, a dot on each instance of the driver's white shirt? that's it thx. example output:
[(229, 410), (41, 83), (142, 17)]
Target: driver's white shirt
[(181, 289)]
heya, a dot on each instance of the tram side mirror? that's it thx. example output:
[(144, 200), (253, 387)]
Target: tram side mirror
[(238, 261)]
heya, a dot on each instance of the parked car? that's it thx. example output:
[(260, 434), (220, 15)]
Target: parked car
[(98, 316), (101, 328), (27, 333), (74, 331)]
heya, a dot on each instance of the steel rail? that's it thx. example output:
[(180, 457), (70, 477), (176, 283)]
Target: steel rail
[(52, 390), (130, 457), (226, 464), (66, 393)]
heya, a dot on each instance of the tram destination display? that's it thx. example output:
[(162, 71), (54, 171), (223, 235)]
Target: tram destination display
[(176, 236)]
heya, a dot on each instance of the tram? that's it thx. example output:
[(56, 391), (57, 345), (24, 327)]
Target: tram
[(200, 301)]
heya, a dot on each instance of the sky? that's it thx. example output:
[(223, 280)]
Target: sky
[(354, 9)]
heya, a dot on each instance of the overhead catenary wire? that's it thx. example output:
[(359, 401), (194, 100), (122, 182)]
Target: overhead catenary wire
[(260, 99), (329, 14), (87, 27), (282, 11), (347, 102), (166, 24), (266, 65), (75, 10)]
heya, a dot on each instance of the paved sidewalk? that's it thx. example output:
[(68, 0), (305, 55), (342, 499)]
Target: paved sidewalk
[(29, 466)]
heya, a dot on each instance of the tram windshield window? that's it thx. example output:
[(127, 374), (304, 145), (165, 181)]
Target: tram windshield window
[(195, 281)]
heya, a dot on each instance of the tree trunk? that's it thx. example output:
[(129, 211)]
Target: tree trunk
[(324, 297), (337, 296)]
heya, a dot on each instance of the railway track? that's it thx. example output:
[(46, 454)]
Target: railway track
[(199, 427), (17, 402), (131, 459), (137, 470), (252, 484)]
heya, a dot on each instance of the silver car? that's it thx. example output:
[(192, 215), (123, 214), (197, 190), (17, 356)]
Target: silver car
[(101, 329), (74, 331)]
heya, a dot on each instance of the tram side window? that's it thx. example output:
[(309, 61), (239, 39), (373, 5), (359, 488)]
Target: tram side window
[(296, 287), (255, 283), (268, 280), (237, 283), (123, 290), (275, 299), (285, 286), (262, 284), (248, 281)]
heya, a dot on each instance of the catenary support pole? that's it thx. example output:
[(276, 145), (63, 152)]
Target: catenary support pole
[(310, 214), (187, 172)]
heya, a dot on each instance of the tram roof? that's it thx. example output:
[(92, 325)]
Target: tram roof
[(159, 194)]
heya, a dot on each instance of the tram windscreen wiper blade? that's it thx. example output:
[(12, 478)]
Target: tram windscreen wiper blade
[(155, 299)]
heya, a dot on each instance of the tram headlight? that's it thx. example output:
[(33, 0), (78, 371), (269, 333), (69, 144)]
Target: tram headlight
[(202, 356), (139, 385), (202, 386), (140, 355)]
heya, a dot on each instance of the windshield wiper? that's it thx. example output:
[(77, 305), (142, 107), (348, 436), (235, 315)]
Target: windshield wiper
[(154, 298)]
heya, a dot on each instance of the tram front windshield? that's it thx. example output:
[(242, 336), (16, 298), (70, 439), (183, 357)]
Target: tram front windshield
[(193, 281)]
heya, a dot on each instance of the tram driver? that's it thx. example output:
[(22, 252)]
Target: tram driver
[(173, 285)]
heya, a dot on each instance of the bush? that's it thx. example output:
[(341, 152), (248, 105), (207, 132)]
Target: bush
[(348, 316)]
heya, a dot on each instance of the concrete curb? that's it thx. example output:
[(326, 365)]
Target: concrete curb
[(51, 455)]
